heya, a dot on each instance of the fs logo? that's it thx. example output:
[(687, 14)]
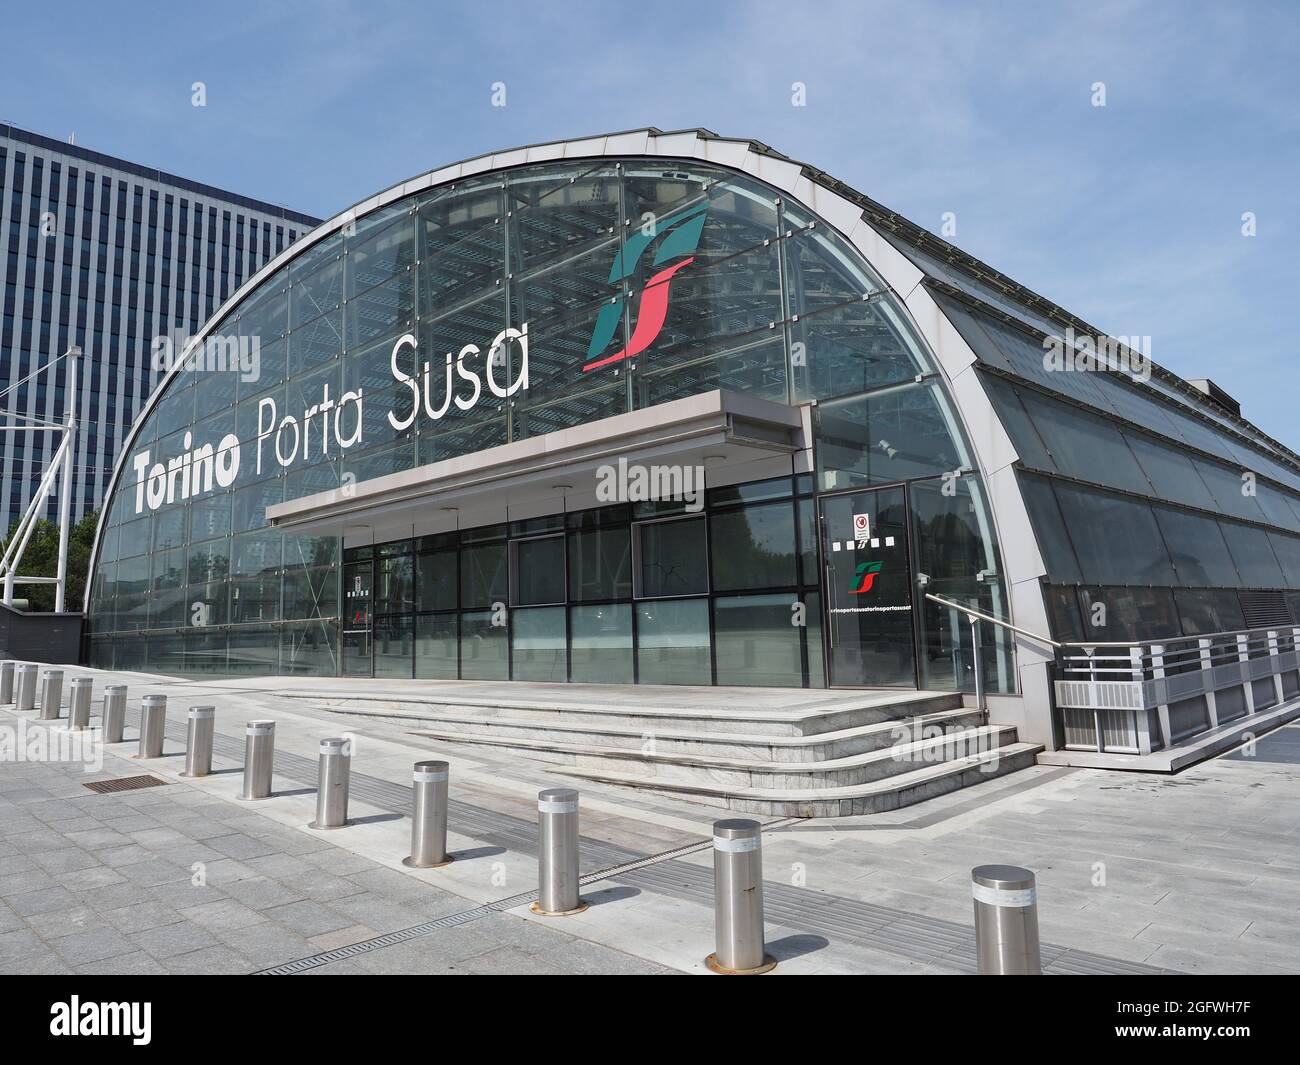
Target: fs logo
[(865, 575), (681, 236)]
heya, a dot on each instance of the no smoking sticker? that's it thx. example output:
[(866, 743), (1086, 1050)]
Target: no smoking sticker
[(861, 526)]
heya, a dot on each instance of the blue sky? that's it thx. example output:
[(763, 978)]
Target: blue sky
[(1129, 214)]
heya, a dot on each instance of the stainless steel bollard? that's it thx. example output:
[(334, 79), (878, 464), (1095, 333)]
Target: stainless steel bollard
[(332, 783), (51, 694), (113, 716), (79, 702), (738, 899), (153, 720), (259, 758), (7, 682), (557, 857), (1006, 921), (25, 699), (429, 817), (198, 741)]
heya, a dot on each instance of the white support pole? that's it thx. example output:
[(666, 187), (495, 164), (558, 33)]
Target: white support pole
[(65, 487), (23, 531)]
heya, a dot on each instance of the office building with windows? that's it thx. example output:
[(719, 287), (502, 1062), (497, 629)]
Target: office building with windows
[(671, 408), (110, 256)]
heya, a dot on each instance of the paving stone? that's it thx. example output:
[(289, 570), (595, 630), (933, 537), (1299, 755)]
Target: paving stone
[(94, 945), (153, 871), (307, 918), (226, 913), (58, 923), (211, 961), (17, 946), (46, 900), (322, 886), (99, 838), (131, 854), (170, 940), (29, 880), (142, 916), (344, 937), (240, 846), (280, 865), (266, 944), (260, 893), (136, 964)]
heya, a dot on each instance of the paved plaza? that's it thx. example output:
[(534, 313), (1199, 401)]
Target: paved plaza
[(1193, 873)]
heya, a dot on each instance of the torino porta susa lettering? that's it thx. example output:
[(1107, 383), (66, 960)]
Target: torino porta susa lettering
[(330, 423)]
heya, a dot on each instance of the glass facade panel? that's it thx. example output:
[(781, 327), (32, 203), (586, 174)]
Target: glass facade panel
[(484, 651), (538, 577), (437, 585), (672, 558), (1172, 473), (539, 644), (394, 635), (483, 577), (436, 647), (756, 641), (1253, 555), (1084, 445), (753, 547), (601, 644), (957, 551), (673, 642), (895, 435), (1115, 539), (600, 563), (1196, 545), (1117, 614)]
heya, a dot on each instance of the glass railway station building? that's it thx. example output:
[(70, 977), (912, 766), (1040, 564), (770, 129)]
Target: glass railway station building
[(670, 408)]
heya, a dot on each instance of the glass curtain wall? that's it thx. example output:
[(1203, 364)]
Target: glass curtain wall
[(637, 282), (647, 593)]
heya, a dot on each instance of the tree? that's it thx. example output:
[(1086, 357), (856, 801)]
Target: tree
[(41, 559)]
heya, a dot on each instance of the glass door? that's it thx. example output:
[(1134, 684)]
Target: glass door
[(870, 642), (358, 597)]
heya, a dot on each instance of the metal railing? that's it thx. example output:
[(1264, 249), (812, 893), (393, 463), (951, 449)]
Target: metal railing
[(1138, 697), (1135, 697), (975, 618)]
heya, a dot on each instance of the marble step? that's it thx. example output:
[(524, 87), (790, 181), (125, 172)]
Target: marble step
[(879, 796), (819, 746), (868, 709), (748, 772)]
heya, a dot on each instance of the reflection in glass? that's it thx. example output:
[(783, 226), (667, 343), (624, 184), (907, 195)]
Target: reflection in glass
[(483, 648), (671, 558), (601, 638), (757, 642), (673, 642), (538, 649)]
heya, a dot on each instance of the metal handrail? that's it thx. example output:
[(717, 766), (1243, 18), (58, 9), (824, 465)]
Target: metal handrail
[(975, 617), (992, 620), (1162, 641)]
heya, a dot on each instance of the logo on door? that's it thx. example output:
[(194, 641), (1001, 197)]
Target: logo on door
[(865, 575)]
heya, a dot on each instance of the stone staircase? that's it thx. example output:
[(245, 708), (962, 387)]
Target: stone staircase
[(822, 755)]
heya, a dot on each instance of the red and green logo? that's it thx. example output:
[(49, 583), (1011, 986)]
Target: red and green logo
[(680, 232), (865, 575)]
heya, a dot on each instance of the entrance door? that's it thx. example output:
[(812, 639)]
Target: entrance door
[(868, 589), (358, 586)]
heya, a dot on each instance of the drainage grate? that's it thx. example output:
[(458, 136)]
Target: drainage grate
[(104, 787)]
